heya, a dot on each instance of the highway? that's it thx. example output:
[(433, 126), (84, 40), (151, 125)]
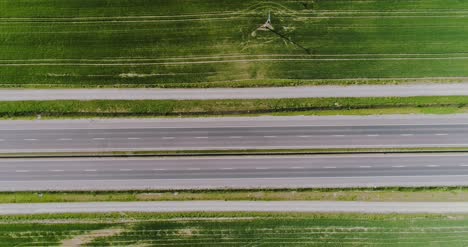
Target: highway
[(238, 206), (233, 134), (233, 172), (404, 90)]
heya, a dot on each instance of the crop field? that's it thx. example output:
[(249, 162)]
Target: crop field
[(234, 229), (214, 43)]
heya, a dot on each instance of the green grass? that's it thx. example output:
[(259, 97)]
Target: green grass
[(190, 108), (209, 43), (429, 194), (238, 229)]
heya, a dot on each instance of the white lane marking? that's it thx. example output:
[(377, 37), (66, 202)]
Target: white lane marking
[(125, 170), (304, 136), (65, 139), (30, 139), (1, 140), (261, 168), (407, 135), (269, 136), (134, 138), (373, 135), (22, 171), (201, 137), (99, 139), (365, 166), (432, 165), (90, 170), (463, 165), (297, 167), (338, 135), (227, 168), (168, 138), (441, 134), (235, 137), (329, 167), (159, 169), (194, 169), (398, 166), (56, 170)]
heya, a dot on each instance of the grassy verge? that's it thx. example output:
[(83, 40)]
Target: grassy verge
[(437, 194), (191, 108), (236, 229)]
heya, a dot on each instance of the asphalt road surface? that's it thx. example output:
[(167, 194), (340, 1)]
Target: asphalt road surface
[(237, 93), (233, 172), (233, 134), (221, 206)]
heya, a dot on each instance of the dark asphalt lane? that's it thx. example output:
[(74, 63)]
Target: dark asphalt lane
[(260, 137), (83, 169)]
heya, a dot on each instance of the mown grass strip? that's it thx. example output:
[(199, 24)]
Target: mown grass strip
[(389, 194), (191, 108)]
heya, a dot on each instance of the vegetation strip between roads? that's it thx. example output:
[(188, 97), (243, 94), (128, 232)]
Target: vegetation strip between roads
[(257, 152), (190, 108), (383, 194)]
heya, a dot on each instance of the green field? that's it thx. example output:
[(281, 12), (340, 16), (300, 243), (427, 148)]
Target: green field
[(236, 229), (200, 108), (209, 43)]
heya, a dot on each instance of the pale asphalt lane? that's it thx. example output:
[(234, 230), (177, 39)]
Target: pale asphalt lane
[(233, 172), (246, 206), (233, 134), (237, 93)]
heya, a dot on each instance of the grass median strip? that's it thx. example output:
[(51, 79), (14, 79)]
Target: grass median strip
[(235, 229), (429, 194), (258, 152), (191, 108)]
